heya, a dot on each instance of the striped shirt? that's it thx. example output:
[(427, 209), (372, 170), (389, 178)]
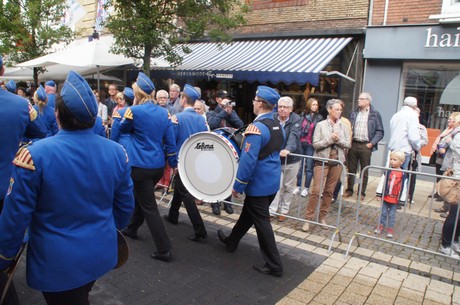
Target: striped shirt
[(360, 132)]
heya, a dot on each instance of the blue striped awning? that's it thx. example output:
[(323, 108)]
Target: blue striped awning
[(284, 60)]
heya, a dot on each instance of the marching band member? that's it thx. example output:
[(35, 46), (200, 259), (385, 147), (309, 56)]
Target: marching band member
[(187, 123), (260, 157), (72, 233), (151, 130)]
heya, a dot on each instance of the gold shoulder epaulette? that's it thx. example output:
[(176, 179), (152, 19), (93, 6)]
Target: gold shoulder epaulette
[(174, 119), (115, 114), (32, 112), (24, 159), (128, 114), (252, 129)]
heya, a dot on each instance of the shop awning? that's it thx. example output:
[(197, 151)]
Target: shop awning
[(284, 60)]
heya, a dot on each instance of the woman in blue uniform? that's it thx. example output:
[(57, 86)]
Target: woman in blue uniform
[(72, 233), (45, 112), (152, 135)]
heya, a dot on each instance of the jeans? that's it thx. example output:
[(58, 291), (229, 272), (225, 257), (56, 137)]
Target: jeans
[(307, 150), (388, 212)]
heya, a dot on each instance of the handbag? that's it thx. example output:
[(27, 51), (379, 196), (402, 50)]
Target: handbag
[(449, 189), (433, 157)]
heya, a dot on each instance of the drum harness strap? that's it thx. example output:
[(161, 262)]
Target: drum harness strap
[(276, 138)]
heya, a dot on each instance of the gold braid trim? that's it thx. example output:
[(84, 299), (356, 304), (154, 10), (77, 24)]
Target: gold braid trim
[(252, 129), (128, 114), (32, 113), (24, 159)]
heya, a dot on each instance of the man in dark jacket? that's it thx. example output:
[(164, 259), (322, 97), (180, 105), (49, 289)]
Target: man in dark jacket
[(367, 130), (291, 122)]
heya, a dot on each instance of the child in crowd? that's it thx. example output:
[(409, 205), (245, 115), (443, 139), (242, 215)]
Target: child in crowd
[(393, 183)]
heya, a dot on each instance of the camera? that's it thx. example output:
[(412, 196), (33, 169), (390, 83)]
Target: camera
[(229, 103)]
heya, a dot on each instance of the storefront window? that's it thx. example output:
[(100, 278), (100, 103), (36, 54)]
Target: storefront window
[(437, 89)]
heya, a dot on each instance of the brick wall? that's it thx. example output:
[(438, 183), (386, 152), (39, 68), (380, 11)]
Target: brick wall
[(312, 14), (405, 11)]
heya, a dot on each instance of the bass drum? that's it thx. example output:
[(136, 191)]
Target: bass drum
[(208, 162)]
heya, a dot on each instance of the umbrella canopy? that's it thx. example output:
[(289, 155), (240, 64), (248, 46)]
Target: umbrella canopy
[(55, 72), (90, 54)]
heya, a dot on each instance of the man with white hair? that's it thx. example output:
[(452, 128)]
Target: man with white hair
[(291, 123), (404, 135)]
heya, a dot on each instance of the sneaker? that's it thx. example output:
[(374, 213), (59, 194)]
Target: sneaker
[(449, 251), (379, 229), (296, 190), (306, 227), (304, 192), (390, 233)]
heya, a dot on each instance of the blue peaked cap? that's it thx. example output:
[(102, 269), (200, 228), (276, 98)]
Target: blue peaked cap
[(50, 83), (11, 86), (268, 94), (79, 98), (144, 82), (192, 92), (41, 93), (129, 92)]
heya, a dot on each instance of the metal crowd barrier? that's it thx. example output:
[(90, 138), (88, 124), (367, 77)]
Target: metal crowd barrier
[(301, 209), (365, 223)]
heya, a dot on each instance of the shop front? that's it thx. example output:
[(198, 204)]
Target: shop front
[(300, 68), (420, 61)]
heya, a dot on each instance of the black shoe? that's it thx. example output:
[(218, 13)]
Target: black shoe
[(168, 219), (223, 238), (436, 195), (228, 208), (439, 199), (215, 208), (441, 210), (197, 237), (162, 256), (129, 233), (265, 270)]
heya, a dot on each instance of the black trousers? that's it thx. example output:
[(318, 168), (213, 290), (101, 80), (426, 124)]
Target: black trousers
[(256, 212), (448, 229), (358, 153), (77, 296), (144, 192), (182, 195)]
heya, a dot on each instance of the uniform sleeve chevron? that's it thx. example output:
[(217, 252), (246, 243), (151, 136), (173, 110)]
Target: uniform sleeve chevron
[(24, 159), (32, 112), (174, 120), (128, 114), (115, 114), (252, 129)]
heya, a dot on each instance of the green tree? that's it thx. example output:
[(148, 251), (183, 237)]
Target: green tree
[(29, 28), (145, 29)]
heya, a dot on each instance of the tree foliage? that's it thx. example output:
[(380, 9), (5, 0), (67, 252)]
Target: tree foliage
[(29, 28), (145, 29)]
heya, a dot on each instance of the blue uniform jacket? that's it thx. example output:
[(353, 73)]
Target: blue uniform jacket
[(49, 119), (257, 177), (99, 128), (151, 130), (51, 100), (123, 138), (72, 190), (187, 123), (18, 119)]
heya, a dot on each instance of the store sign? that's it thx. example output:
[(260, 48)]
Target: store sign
[(442, 40), (208, 74)]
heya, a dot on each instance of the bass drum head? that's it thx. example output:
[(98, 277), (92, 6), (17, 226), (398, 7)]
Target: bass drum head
[(208, 163)]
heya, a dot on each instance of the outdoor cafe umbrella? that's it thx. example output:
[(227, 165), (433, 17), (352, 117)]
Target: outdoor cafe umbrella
[(90, 54)]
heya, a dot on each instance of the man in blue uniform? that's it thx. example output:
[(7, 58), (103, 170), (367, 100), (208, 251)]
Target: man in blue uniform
[(187, 123), (258, 177), (72, 233)]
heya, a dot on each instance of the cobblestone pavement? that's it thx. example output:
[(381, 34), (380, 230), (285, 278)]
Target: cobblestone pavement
[(376, 271)]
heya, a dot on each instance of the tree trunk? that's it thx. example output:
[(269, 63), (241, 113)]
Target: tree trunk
[(36, 77), (147, 54)]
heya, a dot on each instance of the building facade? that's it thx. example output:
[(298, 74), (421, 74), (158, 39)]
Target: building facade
[(412, 48)]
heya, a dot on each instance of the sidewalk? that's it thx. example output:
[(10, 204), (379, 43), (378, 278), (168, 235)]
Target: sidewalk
[(375, 272)]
